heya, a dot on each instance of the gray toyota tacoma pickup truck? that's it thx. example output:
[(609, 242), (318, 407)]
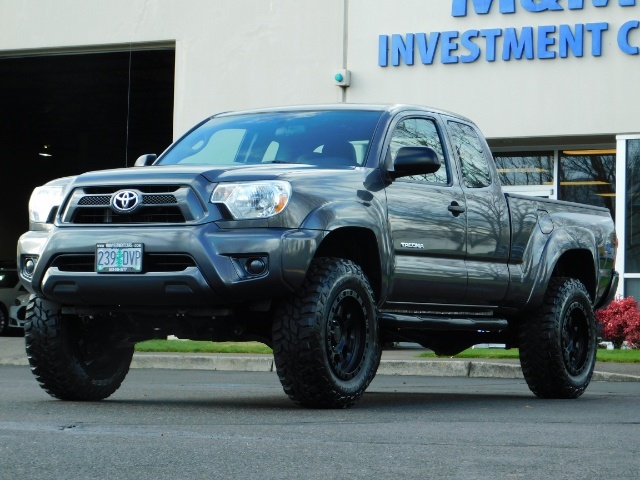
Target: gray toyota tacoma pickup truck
[(324, 231)]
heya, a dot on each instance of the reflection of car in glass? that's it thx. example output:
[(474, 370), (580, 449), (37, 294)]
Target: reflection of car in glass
[(10, 290)]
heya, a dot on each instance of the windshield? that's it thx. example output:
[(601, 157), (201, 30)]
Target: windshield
[(323, 138)]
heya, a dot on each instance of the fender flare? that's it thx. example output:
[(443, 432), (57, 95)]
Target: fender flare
[(369, 215), (561, 241)]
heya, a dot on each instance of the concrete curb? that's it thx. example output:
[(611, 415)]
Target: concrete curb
[(14, 361), (204, 362), (614, 377), (264, 363)]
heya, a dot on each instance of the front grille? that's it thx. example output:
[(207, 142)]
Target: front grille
[(159, 204), (95, 200), (151, 262), (146, 215)]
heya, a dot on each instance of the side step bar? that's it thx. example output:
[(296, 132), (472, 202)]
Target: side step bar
[(441, 323)]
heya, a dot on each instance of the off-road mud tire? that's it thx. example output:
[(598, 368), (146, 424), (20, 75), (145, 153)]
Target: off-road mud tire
[(73, 360), (558, 342), (325, 338)]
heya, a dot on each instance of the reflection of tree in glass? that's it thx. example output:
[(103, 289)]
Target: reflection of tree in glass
[(419, 132), (524, 168), (632, 214), (475, 169), (588, 179)]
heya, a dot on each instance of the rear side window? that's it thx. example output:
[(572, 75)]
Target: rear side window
[(475, 167)]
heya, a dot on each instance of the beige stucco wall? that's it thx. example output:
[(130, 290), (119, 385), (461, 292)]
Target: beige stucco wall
[(518, 98), (230, 54), (233, 54)]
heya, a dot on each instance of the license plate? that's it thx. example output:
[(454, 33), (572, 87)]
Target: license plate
[(119, 257)]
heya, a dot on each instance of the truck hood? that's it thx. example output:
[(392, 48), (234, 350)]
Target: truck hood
[(184, 173)]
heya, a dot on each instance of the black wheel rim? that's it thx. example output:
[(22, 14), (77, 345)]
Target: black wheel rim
[(94, 349), (575, 339), (347, 332)]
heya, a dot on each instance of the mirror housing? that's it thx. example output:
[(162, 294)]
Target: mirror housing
[(146, 159), (415, 161)]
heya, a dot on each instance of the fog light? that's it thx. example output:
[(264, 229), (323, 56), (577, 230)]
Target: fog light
[(29, 267), (255, 266)]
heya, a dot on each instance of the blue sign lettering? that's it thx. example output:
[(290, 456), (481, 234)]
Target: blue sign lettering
[(401, 49), (623, 37), (448, 46), (596, 30), (544, 42), (518, 47), (570, 40), (459, 8), (426, 48), (540, 5), (491, 34), (467, 42), (481, 7), (383, 50)]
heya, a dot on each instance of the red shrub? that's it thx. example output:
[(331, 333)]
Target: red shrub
[(621, 322)]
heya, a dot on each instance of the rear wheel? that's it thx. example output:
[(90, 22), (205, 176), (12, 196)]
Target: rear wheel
[(325, 338), (73, 359), (558, 342)]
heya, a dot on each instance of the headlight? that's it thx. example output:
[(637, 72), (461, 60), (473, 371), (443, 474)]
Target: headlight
[(42, 200), (253, 199)]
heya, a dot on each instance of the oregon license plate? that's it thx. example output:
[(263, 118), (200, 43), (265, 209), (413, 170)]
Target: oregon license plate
[(119, 257)]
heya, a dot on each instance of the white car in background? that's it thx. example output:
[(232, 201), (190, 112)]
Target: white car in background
[(17, 312), (11, 300)]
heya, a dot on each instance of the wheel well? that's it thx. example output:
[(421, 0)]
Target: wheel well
[(358, 245), (578, 264)]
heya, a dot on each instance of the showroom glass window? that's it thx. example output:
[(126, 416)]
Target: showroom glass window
[(588, 178), (632, 214), (525, 168)]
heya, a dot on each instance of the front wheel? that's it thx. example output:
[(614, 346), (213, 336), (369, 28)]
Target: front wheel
[(74, 359), (558, 343), (325, 338)]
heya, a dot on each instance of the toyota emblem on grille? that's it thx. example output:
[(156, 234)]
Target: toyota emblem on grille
[(125, 200)]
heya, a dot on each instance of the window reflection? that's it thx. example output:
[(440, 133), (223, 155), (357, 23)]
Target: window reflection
[(588, 179), (475, 169), (525, 168), (632, 234), (420, 132)]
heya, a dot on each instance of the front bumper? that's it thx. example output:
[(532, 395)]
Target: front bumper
[(215, 276)]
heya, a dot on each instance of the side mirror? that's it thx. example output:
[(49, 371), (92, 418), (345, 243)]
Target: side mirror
[(146, 159), (415, 161)]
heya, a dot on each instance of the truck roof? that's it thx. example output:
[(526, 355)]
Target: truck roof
[(382, 107)]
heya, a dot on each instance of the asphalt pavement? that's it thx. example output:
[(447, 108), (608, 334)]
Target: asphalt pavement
[(399, 360)]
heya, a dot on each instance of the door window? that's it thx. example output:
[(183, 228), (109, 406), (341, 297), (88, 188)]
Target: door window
[(420, 132)]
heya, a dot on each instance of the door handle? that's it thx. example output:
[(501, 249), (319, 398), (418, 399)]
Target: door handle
[(456, 208)]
